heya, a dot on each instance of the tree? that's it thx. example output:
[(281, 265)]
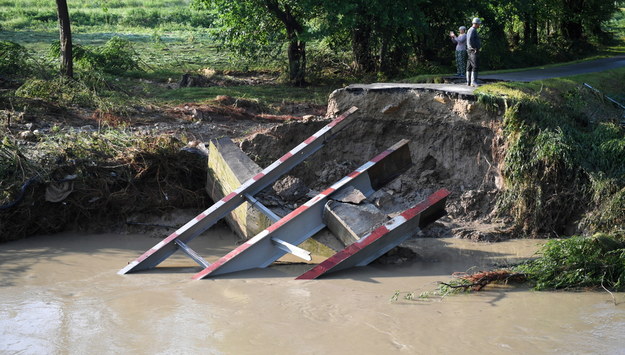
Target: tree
[(65, 34), (379, 33), (252, 27)]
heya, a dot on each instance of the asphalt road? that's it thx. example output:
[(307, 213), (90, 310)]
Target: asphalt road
[(559, 71), (460, 87)]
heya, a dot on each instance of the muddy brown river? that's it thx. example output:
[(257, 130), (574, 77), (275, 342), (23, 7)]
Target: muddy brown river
[(61, 294)]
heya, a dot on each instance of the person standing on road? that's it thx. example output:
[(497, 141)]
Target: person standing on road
[(473, 48), (461, 49)]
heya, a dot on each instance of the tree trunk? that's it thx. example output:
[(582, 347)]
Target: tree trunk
[(297, 47), (527, 29), (572, 31), (297, 62), (361, 47), (65, 32)]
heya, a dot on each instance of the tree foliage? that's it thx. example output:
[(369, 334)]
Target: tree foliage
[(257, 27), (391, 37)]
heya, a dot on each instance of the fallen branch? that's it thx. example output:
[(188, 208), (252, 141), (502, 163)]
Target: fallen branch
[(479, 280)]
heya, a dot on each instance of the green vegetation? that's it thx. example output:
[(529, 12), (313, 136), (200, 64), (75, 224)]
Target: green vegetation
[(373, 40), (565, 148), (578, 262)]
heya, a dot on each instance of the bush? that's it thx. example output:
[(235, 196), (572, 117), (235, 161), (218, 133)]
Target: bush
[(15, 60), (579, 262), (118, 56)]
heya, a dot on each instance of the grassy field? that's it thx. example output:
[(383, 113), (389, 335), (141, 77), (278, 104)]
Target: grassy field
[(168, 35)]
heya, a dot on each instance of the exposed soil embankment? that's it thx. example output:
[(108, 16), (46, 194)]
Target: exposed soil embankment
[(455, 144)]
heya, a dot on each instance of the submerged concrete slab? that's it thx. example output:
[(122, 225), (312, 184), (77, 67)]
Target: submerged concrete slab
[(351, 222), (228, 168)]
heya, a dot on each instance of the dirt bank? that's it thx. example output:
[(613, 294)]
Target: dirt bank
[(455, 144)]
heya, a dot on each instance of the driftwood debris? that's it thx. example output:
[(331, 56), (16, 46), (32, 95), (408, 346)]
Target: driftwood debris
[(479, 280)]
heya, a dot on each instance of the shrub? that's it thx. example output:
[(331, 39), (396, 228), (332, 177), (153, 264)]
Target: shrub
[(578, 262), (63, 91), (14, 59)]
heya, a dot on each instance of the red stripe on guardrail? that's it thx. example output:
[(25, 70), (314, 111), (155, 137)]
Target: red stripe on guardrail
[(285, 157), (430, 200), (382, 155)]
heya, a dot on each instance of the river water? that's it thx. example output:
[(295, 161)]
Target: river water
[(60, 294)]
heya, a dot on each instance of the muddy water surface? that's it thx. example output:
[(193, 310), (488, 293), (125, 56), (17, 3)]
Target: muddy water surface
[(60, 294)]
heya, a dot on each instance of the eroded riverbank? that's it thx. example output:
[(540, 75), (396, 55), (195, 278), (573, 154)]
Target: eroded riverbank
[(61, 294)]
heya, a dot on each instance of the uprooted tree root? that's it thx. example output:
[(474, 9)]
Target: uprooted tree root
[(479, 280)]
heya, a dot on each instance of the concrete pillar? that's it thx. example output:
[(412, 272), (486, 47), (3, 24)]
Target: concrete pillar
[(228, 168)]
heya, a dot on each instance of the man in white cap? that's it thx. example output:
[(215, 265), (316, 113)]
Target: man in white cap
[(473, 48)]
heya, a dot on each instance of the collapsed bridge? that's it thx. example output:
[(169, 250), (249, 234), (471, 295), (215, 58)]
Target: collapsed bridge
[(286, 233)]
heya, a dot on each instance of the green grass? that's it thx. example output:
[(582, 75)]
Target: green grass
[(97, 16)]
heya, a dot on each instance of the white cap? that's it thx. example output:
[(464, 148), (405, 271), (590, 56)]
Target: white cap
[(477, 20), (462, 28)]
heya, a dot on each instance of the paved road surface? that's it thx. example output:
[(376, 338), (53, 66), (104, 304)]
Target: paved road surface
[(560, 71), (521, 75), (462, 89)]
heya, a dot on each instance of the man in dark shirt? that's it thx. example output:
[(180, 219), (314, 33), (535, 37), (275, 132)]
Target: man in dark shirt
[(473, 48)]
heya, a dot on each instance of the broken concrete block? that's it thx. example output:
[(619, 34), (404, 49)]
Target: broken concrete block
[(349, 195), (350, 222), (228, 168)]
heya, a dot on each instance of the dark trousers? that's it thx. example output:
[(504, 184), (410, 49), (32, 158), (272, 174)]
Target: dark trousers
[(472, 63)]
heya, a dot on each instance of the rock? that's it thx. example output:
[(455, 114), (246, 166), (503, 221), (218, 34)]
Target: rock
[(380, 198), (290, 188), (28, 136), (349, 195)]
